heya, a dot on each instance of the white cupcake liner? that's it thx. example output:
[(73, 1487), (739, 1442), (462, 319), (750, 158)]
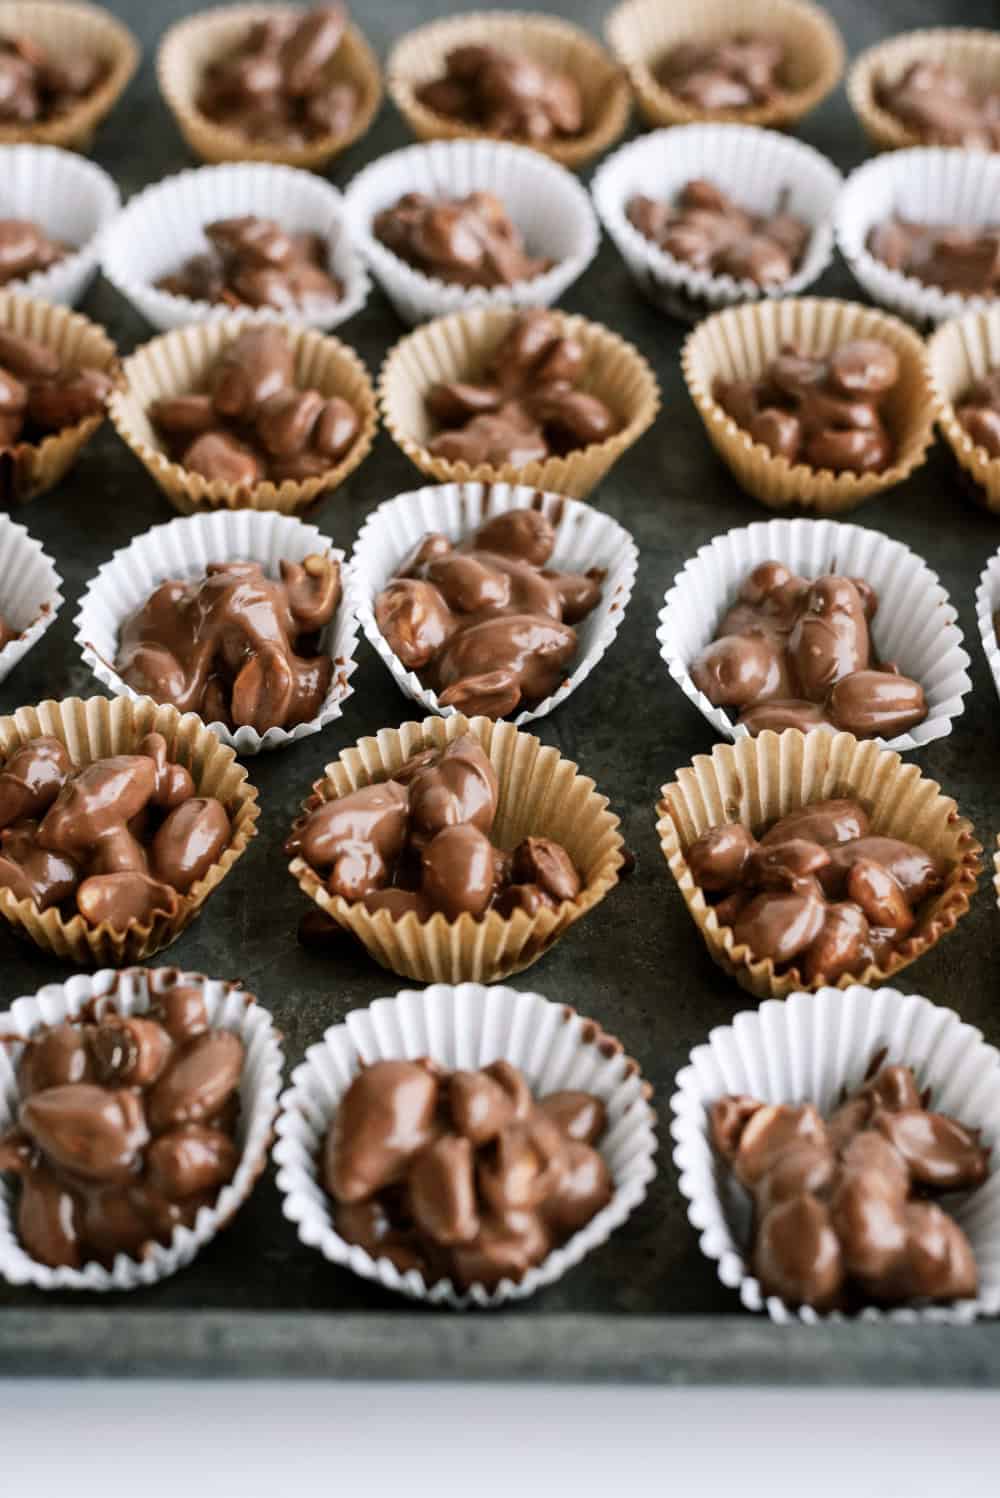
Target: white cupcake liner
[(915, 624), (929, 185), (543, 199), (183, 548), (755, 167), (807, 1049), (29, 591), (465, 1026), (585, 538), (162, 227), (72, 200), (132, 991), (987, 604)]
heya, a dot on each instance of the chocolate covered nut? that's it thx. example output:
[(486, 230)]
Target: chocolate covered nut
[(47, 1220), (183, 415), (441, 1191), (92, 1131), (414, 618), (842, 946), (706, 229), (457, 871), (825, 822), (727, 72), (467, 241), (36, 86), (72, 396), (956, 258), (398, 902), (872, 886), (917, 872), (26, 357), (493, 694), (808, 1169), (937, 1262), (181, 1011), (506, 93), (32, 778), (55, 1058), (868, 1213), (257, 264), (943, 106), (505, 1248), (25, 247), (539, 860), (190, 840), (119, 900), (461, 787), (581, 1116), (771, 1130), (357, 838), (585, 1189), (256, 365), (523, 1166), (218, 456), (780, 926), (130, 1051), (479, 1106), (370, 1226), (937, 1150), (877, 702), (717, 858), (198, 1082), (797, 1253), (191, 1159), (386, 1117), (728, 1117)]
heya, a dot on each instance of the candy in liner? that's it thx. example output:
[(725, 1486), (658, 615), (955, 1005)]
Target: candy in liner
[(958, 354), (73, 200), (973, 53)]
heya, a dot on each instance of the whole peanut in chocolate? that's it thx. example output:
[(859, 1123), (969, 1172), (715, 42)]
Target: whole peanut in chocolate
[(470, 241), (506, 93), (707, 229), (962, 258), (254, 263)]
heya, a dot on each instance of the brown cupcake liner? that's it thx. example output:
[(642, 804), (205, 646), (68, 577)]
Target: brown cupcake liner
[(28, 469), (641, 32), (190, 45), (96, 727), (72, 29), (960, 352), (757, 780), (739, 342), (420, 56), (540, 794), (975, 54), (458, 346), (178, 363)]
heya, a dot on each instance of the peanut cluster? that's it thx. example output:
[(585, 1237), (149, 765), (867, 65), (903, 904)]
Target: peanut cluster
[(943, 107), (26, 248), (39, 394), (506, 93), (470, 241), (736, 72), (35, 85), (254, 263), (708, 230), (958, 258)]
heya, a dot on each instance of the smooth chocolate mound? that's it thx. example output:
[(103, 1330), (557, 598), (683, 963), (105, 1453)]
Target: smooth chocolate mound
[(841, 1216), (252, 262), (39, 394), (36, 87), (943, 107), (506, 93), (709, 231), (470, 241), (234, 646), (734, 72), (955, 257), (463, 1175)]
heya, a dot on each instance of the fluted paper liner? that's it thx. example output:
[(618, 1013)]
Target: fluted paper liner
[(185, 548), (28, 469), (987, 606), (191, 45), (959, 353), (92, 729), (420, 57), (810, 1049), (164, 226), (740, 342), (760, 169), (540, 794), (459, 346), (69, 29), (755, 781), (468, 1027), (928, 185), (178, 363), (29, 591), (72, 199), (585, 538), (975, 54), (915, 624), (229, 1007), (641, 32), (545, 201)]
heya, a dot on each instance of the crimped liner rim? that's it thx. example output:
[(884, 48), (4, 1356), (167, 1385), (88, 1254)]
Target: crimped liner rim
[(661, 107), (403, 72), (772, 478), (771, 769), (578, 471), (884, 129), (188, 491), (980, 328), (496, 947), (117, 725), (216, 143)]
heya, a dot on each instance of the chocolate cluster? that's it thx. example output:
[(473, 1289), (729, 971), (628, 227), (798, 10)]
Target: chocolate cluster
[(707, 230), (841, 1211), (942, 107), (25, 248), (462, 1175), (955, 257), (978, 412), (470, 241), (39, 394), (235, 646), (506, 93), (823, 410), (818, 892), (36, 86), (7, 633), (527, 405), (277, 88), (120, 840), (487, 623), (736, 72), (126, 1129), (421, 842), (797, 652), (254, 263), (254, 423)]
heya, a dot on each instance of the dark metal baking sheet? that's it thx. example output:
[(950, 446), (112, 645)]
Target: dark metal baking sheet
[(647, 1306)]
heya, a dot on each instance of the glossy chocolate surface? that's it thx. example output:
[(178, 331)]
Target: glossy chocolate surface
[(463, 1175), (252, 262), (841, 1216), (37, 86), (470, 241), (978, 412), (956, 257), (39, 394), (506, 93), (709, 231), (943, 107), (796, 652), (733, 72)]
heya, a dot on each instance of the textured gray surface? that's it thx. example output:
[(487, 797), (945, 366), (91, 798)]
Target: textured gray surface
[(647, 1305)]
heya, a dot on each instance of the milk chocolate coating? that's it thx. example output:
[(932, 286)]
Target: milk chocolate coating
[(125, 1129), (818, 894), (470, 241), (527, 404), (733, 72), (226, 645), (797, 652), (943, 107), (839, 1215), (506, 93), (36, 86), (978, 412), (254, 263), (709, 231), (38, 393), (956, 257), (280, 84), (462, 1175), (24, 249), (487, 624), (120, 839)]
